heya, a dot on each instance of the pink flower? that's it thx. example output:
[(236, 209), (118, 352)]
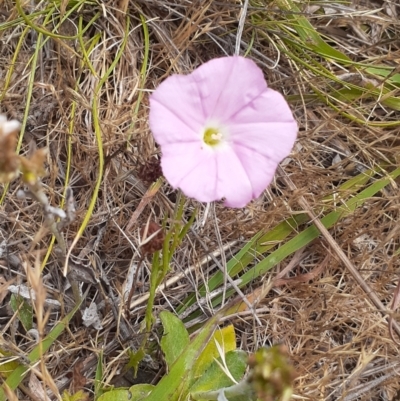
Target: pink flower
[(222, 131)]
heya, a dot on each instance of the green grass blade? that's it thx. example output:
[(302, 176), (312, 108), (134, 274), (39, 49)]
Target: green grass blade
[(309, 234), (263, 242), (98, 380)]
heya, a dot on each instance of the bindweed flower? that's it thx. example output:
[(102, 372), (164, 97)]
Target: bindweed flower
[(222, 131)]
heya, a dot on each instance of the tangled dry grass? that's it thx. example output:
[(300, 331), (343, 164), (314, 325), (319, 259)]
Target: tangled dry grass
[(337, 339)]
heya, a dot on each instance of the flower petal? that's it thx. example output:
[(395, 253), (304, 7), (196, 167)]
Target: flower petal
[(266, 125), (207, 175), (188, 167), (233, 182), (175, 111), (226, 85), (260, 170)]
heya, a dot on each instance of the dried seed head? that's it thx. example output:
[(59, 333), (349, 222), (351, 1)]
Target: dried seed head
[(271, 374), (152, 238), (33, 168), (150, 171), (9, 160)]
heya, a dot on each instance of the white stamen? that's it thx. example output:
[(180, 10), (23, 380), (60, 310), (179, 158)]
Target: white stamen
[(216, 137)]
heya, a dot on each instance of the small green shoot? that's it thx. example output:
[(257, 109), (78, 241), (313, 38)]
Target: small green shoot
[(98, 385), (23, 309)]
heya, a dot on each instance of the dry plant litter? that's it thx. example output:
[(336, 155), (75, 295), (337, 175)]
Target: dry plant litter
[(77, 76)]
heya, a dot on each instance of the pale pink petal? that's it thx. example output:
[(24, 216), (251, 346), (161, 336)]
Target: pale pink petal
[(266, 126), (175, 111), (233, 182), (260, 170), (269, 106), (194, 171), (273, 140), (226, 85), (207, 175)]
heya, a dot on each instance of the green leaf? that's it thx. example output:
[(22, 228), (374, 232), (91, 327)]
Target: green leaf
[(175, 338), (135, 358), (23, 309), (383, 96), (116, 395), (385, 71), (225, 337), (136, 393), (8, 362), (140, 391), (174, 386), (79, 396), (214, 378)]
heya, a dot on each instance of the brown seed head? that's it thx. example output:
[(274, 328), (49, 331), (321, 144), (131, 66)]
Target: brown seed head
[(152, 238), (150, 171)]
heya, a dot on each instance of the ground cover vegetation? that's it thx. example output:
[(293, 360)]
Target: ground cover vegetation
[(112, 278)]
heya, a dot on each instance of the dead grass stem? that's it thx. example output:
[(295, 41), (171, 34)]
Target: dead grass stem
[(334, 325)]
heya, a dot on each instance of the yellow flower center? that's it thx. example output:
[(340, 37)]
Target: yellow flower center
[(212, 136)]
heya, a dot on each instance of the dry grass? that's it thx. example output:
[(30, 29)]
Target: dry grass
[(338, 341)]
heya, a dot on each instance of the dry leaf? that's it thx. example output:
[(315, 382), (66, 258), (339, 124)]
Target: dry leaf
[(78, 380)]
